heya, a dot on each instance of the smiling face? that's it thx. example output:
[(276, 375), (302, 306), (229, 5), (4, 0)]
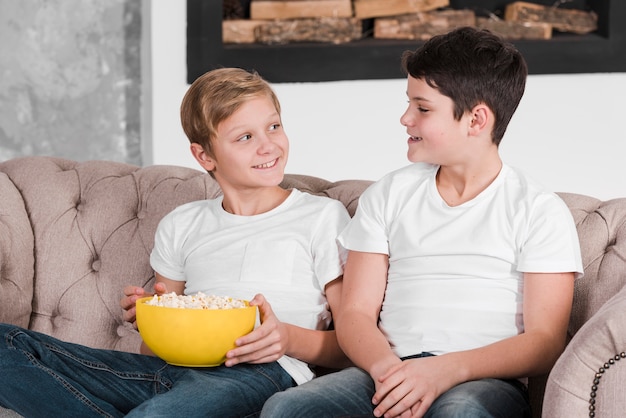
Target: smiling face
[(250, 149), (435, 136)]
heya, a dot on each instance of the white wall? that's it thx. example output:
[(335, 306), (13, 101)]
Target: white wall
[(568, 131)]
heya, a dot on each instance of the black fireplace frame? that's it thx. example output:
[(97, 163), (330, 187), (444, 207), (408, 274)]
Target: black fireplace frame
[(601, 51)]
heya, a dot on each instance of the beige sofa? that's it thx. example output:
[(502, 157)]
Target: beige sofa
[(73, 234)]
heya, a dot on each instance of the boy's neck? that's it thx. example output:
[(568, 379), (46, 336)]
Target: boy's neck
[(458, 185), (254, 202)]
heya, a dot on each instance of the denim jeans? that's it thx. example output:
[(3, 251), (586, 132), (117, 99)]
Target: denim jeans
[(42, 376), (348, 394)]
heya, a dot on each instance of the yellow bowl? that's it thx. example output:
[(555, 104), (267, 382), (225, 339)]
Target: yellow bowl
[(192, 337)]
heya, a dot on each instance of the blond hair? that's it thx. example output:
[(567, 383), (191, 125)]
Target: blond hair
[(214, 97)]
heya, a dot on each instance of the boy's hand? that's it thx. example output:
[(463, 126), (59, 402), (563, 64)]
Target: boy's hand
[(408, 389), (131, 295), (264, 344)]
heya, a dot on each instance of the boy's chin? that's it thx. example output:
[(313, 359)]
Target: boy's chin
[(417, 157), (413, 158), (273, 180)]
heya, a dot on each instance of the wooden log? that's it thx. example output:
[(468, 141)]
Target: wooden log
[(512, 30), (239, 31), (298, 9), (422, 26), (325, 29), (365, 9), (564, 20)]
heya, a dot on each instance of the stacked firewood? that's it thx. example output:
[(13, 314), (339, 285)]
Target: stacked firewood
[(284, 21), (341, 21)]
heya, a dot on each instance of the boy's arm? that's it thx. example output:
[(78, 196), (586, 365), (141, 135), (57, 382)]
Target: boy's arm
[(547, 307), (320, 347), (274, 338), (365, 280)]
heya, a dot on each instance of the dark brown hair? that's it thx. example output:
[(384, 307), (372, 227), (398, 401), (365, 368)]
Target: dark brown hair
[(472, 66)]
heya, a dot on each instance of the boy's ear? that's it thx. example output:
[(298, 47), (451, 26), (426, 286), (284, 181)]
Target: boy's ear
[(481, 119), (204, 159)]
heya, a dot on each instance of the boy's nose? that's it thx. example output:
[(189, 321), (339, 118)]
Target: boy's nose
[(405, 119), (265, 144)]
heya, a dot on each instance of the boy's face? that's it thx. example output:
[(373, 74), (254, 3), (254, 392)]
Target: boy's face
[(250, 149), (435, 136)]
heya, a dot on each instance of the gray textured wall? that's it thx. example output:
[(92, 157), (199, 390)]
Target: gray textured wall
[(70, 79)]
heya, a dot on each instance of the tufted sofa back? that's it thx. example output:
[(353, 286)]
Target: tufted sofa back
[(73, 234), (92, 225), (601, 227)]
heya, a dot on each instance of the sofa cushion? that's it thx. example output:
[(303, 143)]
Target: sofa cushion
[(93, 226), (601, 342), (345, 191), (601, 228), (17, 260)]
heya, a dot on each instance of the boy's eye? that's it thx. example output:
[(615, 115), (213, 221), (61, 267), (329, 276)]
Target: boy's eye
[(418, 107), (274, 126), (244, 138)]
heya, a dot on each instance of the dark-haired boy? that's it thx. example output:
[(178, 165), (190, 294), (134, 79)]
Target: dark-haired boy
[(460, 272)]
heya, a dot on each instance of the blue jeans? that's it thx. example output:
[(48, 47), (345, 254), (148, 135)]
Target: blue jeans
[(348, 394), (42, 376)]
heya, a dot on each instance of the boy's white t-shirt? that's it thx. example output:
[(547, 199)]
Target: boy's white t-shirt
[(288, 254), (455, 279)]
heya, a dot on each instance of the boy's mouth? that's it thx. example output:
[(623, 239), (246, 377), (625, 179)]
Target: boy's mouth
[(267, 165), (415, 138)]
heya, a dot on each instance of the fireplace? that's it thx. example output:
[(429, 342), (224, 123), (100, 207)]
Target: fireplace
[(601, 51)]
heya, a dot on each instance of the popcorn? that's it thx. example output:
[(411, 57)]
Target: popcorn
[(197, 301)]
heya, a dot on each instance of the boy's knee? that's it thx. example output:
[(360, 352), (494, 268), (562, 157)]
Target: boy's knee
[(457, 407), (284, 404), (486, 398)]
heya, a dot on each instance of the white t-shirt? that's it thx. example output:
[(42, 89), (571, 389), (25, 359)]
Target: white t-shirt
[(455, 279), (288, 254)]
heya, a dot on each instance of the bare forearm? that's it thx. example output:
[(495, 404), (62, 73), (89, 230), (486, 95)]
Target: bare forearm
[(364, 343), (315, 347), (521, 356), (365, 280)]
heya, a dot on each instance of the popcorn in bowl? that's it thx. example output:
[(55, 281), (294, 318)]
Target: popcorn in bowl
[(197, 301), (199, 336)]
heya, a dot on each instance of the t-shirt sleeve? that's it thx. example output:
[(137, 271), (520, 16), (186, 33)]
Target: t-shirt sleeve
[(368, 229), (329, 257), (165, 257), (551, 244)]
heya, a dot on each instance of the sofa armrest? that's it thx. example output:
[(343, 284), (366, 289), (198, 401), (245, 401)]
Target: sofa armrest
[(17, 262), (596, 352)]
